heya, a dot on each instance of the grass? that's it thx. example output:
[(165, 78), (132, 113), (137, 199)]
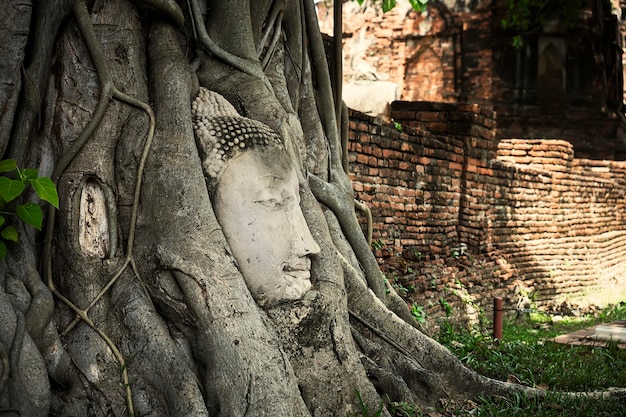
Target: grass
[(523, 356)]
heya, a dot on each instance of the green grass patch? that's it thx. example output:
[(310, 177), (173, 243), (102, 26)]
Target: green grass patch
[(532, 361), (551, 406), (524, 356)]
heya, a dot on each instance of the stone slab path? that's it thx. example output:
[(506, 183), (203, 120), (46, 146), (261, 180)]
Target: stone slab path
[(589, 337)]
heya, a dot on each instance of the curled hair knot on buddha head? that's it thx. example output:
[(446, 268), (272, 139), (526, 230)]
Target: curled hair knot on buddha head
[(221, 133)]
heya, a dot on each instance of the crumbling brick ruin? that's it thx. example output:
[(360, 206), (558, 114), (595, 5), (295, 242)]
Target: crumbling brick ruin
[(475, 216), (461, 212)]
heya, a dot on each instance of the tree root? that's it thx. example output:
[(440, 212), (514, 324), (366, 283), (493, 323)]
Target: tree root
[(344, 125), (108, 92), (337, 70), (425, 365), (337, 194), (168, 7), (368, 216), (273, 22), (246, 66), (330, 195), (48, 19)]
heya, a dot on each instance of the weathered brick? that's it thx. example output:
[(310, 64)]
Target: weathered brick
[(551, 226)]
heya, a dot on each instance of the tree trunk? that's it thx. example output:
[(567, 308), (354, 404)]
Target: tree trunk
[(131, 303)]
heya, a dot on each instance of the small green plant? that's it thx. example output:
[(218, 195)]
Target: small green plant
[(400, 288), (365, 411), (418, 313), (433, 282), (403, 409), (397, 125), (418, 256), (418, 5), (11, 187), (613, 312), (446, 306), (378, 244)]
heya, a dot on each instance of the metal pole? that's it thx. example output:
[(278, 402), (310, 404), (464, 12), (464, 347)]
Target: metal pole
[(497, 317)]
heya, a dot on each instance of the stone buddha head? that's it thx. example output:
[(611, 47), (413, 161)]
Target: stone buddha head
[(255, 194)]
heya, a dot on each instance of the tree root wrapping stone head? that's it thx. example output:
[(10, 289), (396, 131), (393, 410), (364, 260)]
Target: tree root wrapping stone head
[(255, 191)]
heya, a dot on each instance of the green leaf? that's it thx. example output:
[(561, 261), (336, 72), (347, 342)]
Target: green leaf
[(419, 5), (3, 249), (46, 190), (9, 233), (30, 173), (2, 220), (397, 125), (10, 189), (8, 165), (31, 214), (388, 5)]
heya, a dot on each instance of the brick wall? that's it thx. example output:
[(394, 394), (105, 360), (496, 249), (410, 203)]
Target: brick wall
[(529, 213), (559, 220)]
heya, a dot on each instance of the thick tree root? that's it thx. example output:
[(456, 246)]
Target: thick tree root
[(108, 92), (427, 368), (248, 67), (241, 368), (168, 7), (329, 195), (48, 18)]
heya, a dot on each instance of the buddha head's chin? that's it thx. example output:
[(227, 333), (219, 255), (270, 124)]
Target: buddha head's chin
[(292, 290)]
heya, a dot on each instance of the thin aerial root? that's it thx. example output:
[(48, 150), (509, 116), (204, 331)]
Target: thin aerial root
[(346, 168), (272, 47), (338, 59), (98, 297), (344, 130), (142, 163), (277, 8), (118, 355), (368, 216), (274, 23), (382, 335)]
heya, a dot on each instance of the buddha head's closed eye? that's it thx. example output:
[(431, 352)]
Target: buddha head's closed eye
[(255, 194)]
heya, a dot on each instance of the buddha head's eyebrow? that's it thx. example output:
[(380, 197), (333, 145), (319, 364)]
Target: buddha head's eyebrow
[(273, 177)]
